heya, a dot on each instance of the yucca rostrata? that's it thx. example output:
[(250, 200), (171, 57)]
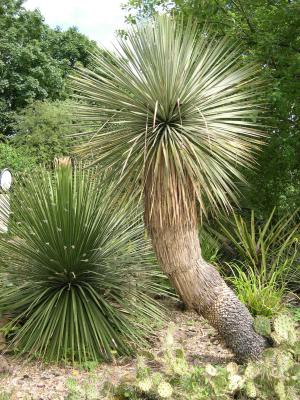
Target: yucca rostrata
[(173, 111)]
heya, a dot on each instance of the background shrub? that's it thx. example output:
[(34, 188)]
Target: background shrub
[(16, 159), (261, 296), (43, 130), (262, 261)]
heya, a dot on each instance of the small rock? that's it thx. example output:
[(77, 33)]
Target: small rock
[(190, 334), (2, 342), (4, 367), (4, 319), (60, 387)]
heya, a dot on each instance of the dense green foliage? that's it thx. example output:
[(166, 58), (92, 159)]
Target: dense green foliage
[(34, 59), (43, 130), (269, 34), (268, 249), (261, 245), (259, 259), (80, 272), (17, 160), (210, 246), (262, 295)]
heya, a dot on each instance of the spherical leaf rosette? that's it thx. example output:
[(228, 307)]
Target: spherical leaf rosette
[(173, 110), (80, 271)]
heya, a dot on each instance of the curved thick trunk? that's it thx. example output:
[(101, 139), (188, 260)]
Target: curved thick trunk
[(202, 288), (172, 222)]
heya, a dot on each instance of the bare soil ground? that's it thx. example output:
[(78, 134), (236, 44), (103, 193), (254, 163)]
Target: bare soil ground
[(39, 381)]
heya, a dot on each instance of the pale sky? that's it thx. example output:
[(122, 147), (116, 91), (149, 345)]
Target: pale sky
[(97, 19)]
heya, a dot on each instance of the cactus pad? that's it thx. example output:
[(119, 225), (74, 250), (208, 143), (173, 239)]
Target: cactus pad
[(284, 330), (164, 390), (251, 389), (262, 325)]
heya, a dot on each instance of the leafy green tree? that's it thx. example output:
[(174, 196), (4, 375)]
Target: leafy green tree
[(175, 117), (43, 130), (140, 9), (34, 59), (269, 34), (70, 48)]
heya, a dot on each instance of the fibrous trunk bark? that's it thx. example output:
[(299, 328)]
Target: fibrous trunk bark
[(201, 287), (198, 283)]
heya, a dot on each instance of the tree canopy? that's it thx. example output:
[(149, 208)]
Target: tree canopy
[(34, 59)]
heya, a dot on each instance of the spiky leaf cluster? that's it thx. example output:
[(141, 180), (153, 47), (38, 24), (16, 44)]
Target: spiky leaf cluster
[(80, 271), (171, 109)]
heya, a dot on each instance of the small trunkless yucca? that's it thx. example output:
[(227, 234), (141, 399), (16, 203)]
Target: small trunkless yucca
[(80, 271)]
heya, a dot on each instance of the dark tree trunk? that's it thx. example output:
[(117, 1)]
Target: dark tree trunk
[(201, 287)]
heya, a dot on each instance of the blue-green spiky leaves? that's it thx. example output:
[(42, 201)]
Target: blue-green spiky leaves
[(173, 110), (80, 270)]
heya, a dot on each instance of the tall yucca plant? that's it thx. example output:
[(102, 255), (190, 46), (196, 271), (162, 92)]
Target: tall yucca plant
[(173, 112), (80, 272)]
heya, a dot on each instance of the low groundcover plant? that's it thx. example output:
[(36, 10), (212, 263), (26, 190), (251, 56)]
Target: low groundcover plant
[(275, 376)]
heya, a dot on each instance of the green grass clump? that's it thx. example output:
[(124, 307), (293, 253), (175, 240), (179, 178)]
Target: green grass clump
[(265, 249), (79, 269), (261, 296), (5, 396), (259, 259)]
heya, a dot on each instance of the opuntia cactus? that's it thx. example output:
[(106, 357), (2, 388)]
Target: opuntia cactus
[(284, 361), (262, 325), (284, 330), (145, 384), (280, 390), (164, 390), (251, 371), (251, 389)]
